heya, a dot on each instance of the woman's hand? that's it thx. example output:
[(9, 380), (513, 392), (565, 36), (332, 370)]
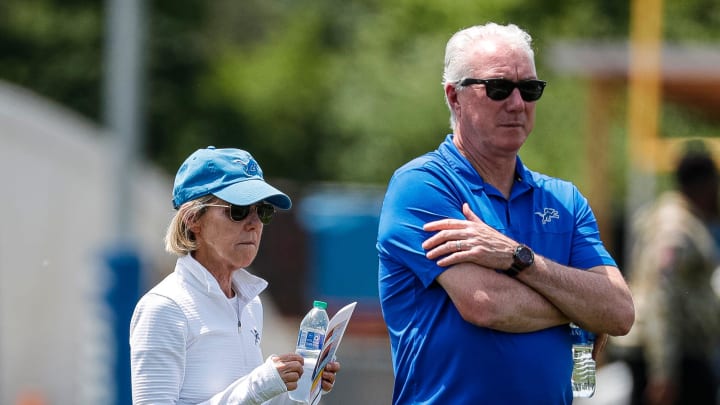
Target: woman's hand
[(290, 368), (328, 377)]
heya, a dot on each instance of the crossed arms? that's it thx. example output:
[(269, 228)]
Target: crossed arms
[(544, 295)]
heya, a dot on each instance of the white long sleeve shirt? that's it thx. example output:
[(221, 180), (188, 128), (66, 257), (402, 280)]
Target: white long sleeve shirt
[(186, 346)]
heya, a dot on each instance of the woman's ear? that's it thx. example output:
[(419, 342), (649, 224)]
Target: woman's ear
[(193, 224)]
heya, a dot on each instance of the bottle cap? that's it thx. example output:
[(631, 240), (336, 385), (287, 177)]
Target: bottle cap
[(320, 304)]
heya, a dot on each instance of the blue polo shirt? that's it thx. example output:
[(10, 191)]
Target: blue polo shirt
[(438, 357)]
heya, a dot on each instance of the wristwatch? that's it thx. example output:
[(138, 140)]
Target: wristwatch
[(523, 257)]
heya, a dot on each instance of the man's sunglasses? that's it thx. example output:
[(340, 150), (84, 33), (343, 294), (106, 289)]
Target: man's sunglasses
[(238, 213), (500, 89)]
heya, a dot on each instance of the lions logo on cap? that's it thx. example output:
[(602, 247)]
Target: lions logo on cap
[(251, 167)]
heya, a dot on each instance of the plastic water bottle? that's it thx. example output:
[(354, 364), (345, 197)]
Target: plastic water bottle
[(311, 338), (583, 373)]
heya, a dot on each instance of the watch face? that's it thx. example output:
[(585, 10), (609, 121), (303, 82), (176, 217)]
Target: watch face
[(524, 256)]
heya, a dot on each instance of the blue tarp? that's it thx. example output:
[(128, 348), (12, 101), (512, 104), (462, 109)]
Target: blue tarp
[(342, 226)]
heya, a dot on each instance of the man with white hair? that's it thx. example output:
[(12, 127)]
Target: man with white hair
[(483, 262)]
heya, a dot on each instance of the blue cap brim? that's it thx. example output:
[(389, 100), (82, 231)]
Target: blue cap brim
[(251, 191)]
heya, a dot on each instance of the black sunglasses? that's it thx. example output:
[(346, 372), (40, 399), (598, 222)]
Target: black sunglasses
[(238, 213), (500, 89)]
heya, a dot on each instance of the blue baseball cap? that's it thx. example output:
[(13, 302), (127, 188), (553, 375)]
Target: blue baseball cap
[(229, 174)]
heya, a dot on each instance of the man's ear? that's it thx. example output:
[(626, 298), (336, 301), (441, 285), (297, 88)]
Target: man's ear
[(452, 96)]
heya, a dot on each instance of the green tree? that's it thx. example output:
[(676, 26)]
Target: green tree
[(316, 89)]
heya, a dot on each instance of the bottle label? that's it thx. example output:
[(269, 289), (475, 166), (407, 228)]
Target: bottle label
[(580, 335), (310, 340), (583, 373)]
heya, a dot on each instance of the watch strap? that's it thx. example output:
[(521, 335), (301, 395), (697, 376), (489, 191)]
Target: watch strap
[(513, 271)]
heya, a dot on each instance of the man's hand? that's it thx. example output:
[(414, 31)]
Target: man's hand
[(470, 240), (599, 345)]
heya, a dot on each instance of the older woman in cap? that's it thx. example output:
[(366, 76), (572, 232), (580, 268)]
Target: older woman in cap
[(195, 337)]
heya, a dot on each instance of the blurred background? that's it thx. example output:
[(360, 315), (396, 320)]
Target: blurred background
[(100, 102)]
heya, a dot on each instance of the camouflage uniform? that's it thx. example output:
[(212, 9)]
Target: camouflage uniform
[(677, 310)]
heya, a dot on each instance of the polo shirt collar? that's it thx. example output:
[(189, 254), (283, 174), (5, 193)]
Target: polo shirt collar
[(455, 159), (248, 285)]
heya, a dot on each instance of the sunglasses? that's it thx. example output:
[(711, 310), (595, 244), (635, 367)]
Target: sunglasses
[(500, 89), (238, 213)]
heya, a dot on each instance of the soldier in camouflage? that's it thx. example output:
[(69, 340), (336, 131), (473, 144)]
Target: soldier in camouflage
[(673, 260)]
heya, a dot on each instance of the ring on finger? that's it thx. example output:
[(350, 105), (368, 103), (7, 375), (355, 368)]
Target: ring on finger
[(458, 245)]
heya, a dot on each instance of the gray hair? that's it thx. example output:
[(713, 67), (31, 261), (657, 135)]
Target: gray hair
[(461, 45), (179, 239)]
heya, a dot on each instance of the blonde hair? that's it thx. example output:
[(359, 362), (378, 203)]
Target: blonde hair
[(179, 239)]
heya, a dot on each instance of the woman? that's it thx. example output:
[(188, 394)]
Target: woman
[(195, 337)]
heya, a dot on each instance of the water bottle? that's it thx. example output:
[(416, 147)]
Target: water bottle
[(311, 338), (583, 373)]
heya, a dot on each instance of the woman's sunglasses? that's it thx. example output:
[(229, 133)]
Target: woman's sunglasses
[(500, 89), (238, 213)]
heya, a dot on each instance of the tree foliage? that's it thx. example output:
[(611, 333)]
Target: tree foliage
[(315, 89)]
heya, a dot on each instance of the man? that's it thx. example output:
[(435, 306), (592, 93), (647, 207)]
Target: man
[(478, 305), (674, 257)]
